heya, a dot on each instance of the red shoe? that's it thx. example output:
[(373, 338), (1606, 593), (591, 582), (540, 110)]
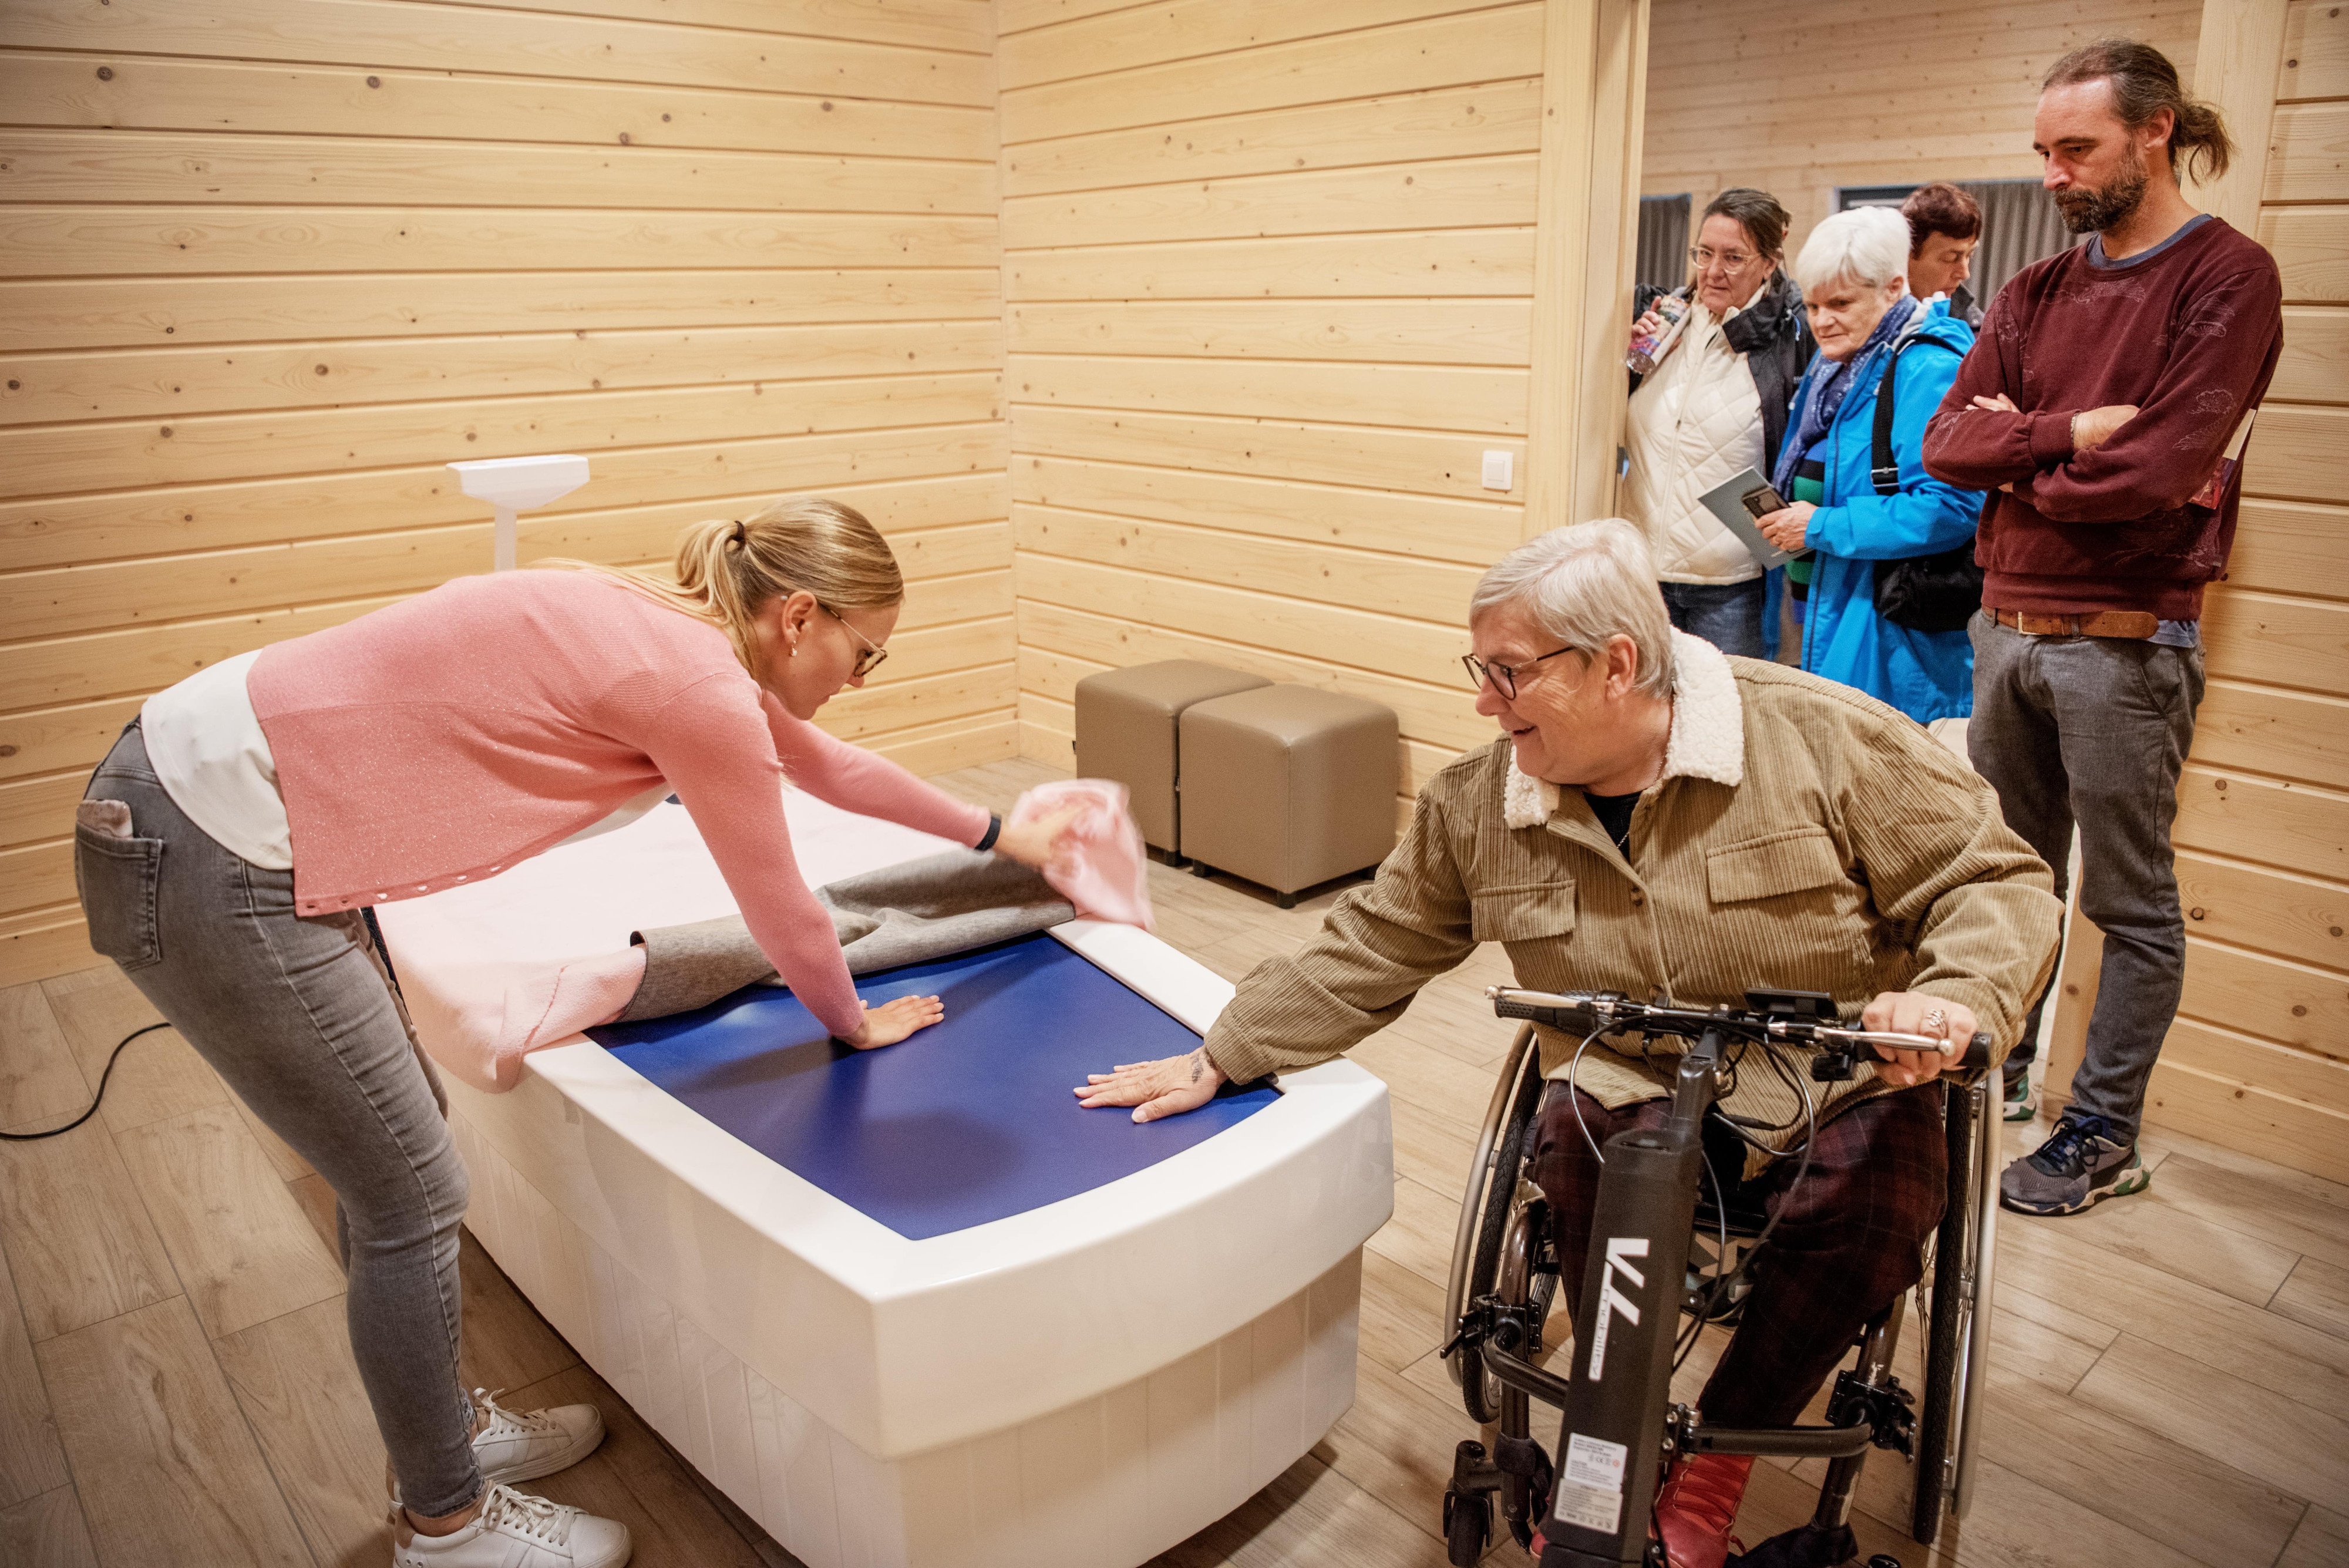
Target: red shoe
[(1697, 1505)]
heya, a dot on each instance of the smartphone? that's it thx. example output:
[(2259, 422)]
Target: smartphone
[(1760, 502)]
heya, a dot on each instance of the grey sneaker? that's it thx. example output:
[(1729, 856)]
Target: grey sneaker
[(2021, 1100), (2078, 1165)]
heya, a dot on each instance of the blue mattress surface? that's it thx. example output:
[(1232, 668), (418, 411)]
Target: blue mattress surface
[(970, 1120)]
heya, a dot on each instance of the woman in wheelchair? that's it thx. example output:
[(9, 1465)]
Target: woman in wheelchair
[(1661, 819)]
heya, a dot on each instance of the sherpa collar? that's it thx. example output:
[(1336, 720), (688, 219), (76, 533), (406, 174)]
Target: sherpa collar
[(1707, 742)]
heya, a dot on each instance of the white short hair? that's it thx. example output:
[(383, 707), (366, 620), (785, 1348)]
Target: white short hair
[(1867, 245), (1584, 584)]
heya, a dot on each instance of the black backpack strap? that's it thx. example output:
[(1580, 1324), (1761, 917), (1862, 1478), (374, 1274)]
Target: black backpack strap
[(1884, 468)]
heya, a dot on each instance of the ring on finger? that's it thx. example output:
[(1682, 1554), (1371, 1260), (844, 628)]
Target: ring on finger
[(1937, 1021)]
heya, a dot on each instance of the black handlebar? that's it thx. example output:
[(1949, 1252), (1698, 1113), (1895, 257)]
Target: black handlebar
[(1800, 1018)]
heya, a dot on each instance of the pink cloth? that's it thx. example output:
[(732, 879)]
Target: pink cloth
[(539, 1007), (1101, 866), (441, 740)]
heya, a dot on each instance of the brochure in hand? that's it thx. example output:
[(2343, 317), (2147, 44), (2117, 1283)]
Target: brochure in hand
[(1740, 503)]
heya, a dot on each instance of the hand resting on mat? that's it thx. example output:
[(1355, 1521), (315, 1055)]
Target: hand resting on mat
[(893, 1021), (1166, 1087)]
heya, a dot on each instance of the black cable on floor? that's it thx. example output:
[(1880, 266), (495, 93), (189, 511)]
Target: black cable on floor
[(102, 1078)]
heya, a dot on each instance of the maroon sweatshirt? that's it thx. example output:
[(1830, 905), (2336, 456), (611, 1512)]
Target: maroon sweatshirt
[(2188, 333)]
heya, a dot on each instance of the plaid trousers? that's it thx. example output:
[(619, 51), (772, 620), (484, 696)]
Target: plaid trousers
[(1850, 1239)]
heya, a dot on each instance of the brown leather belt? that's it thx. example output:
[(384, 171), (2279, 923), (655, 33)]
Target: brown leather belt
[(2135, 625)]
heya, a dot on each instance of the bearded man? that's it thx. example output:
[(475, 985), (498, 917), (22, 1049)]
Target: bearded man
[(2105, 407)]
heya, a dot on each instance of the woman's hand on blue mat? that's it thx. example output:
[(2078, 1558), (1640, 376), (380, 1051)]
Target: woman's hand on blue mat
[(1166, 1087), (893, 1021)]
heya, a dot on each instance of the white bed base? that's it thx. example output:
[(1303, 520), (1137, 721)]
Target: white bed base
[(1115, 1479)]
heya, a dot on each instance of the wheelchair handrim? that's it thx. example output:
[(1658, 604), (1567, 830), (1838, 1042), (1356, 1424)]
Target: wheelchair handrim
[(1976, 1371), (1480, 1181)]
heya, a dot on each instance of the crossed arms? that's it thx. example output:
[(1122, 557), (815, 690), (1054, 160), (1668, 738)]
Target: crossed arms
[(2114, 462)]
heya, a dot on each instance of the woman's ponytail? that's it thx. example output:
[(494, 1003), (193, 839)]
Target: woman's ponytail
[(727, 571)]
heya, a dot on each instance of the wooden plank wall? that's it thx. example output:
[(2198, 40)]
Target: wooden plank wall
[(265, 267), (2258, 1058), (1800, 100), (1268, 272)]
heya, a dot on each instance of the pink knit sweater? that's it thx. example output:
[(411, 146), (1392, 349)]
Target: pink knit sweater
[(441, 740)]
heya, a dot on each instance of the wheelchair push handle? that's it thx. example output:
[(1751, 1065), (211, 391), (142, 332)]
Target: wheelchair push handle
[(1799, 1018)]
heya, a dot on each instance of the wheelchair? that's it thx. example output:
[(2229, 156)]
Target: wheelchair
[(1503, 1285)]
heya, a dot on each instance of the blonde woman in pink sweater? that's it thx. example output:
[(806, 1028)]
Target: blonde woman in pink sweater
[(229, 842)]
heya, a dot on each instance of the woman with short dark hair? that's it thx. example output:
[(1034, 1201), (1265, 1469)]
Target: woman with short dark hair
[(1714, 405), (1945, 225)]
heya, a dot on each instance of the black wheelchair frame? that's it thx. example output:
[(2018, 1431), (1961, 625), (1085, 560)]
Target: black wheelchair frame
[(1639, 1283)]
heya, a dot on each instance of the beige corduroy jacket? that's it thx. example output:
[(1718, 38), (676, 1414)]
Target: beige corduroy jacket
[(1804, 837)]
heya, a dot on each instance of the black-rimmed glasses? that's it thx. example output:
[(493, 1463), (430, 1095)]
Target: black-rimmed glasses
[(1503, 676), (869, 657)]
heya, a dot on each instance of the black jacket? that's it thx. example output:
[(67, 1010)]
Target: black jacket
[(1775, 335)]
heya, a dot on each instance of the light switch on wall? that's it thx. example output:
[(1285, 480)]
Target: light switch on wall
[(1498, 470)]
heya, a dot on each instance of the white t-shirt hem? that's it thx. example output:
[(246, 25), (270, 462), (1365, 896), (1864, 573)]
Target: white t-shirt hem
[(207, 747)]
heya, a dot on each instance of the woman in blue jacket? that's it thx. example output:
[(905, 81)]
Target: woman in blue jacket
[(1853, 271)]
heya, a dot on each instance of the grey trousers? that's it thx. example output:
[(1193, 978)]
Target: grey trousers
[(295, 1014), (2090, 731)]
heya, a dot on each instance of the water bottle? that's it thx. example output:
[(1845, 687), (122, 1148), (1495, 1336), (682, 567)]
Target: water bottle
[(1650, 346)]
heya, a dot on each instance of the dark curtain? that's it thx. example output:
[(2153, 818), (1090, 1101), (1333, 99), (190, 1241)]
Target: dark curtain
[(1663, 241)]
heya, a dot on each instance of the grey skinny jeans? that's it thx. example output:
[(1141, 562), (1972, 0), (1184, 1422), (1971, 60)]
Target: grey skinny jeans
[(2091, 731), (295, 1013)]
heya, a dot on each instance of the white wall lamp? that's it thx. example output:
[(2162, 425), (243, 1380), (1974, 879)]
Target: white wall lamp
[(512, 484)]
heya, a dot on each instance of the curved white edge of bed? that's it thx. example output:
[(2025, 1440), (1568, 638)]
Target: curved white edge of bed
[(1106, 1482), (905, 1345)]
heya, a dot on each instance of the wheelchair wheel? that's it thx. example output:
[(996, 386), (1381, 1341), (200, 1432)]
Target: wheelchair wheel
[(1949, 1319), (1527, 1276), (1480, 1392), (1467, 1526)]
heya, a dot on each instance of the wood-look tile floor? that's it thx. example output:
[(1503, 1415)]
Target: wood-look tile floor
[(2171, 1383)]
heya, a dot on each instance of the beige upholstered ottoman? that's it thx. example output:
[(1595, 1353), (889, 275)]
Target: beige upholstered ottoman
[(1287, 786), (1126, 722)]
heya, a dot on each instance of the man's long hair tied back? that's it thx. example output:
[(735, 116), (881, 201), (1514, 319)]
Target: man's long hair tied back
[(2144, 84)]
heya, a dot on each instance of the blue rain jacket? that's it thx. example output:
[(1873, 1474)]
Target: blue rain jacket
[(1927, 675)]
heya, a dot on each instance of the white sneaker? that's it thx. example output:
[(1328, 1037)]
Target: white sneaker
[(518, 1445), (514, 1530)]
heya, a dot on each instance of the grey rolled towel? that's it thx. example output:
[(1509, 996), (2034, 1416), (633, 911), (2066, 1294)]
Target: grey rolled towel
[(903, 914)]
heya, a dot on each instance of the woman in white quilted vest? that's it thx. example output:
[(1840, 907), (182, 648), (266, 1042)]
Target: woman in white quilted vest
[(1715, 405)]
